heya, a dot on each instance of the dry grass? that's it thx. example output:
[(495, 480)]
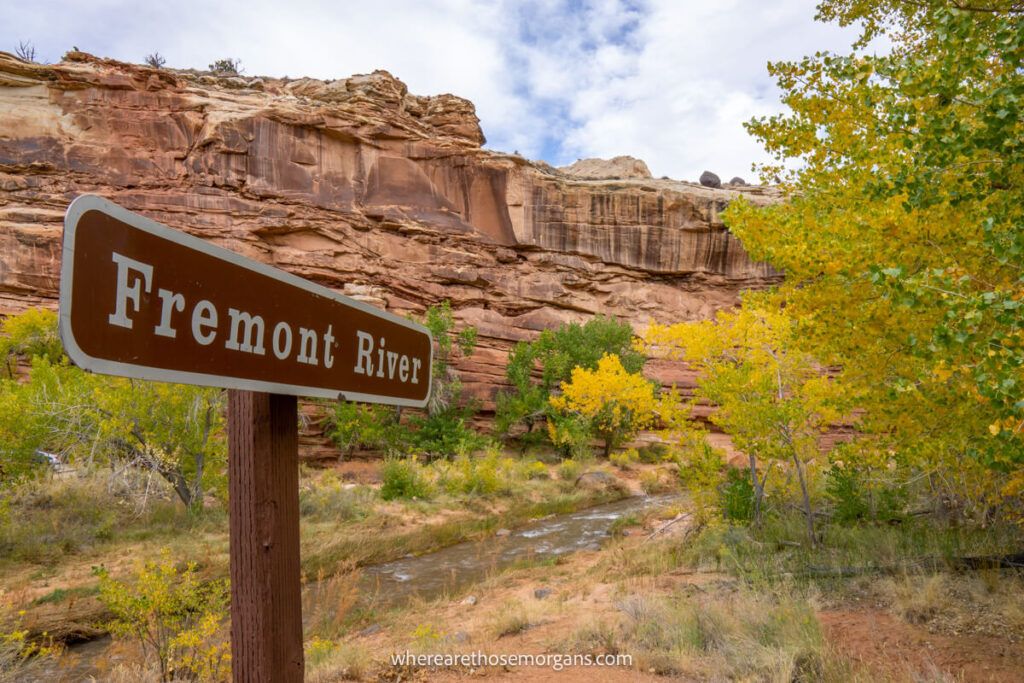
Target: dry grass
[(330, 602), (130, 673), (46, 520), (918, 599), (344, 661), (732, 635), (510, 619), (988, 602)]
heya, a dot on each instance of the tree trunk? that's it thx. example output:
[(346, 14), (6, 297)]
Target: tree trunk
[(808, 513), (758, 490)]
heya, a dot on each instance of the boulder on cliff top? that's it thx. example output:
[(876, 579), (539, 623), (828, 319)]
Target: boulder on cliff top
[(604, 169), (709, 179)]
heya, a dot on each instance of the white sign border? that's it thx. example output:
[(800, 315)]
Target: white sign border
[(89, 202)]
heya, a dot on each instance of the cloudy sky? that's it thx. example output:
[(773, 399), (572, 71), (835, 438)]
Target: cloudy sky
[(668, 81)]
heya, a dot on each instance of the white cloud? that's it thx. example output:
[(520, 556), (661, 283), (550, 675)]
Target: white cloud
[(668, 81)]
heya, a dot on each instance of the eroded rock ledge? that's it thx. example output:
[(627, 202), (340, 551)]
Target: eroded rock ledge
[(362, 187)]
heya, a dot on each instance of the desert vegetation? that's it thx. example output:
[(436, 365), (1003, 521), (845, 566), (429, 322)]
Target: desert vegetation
[(847, 466)]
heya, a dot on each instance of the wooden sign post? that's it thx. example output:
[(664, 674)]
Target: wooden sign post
[(138, 299)]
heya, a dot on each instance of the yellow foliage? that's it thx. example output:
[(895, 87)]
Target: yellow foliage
[(617, 403), (174, 616)]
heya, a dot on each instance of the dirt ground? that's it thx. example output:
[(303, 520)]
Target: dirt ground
[(874, 639), (887, 643)]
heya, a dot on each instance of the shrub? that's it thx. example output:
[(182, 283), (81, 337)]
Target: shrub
[(737, 496), (570, 435), (446, 387), (569, 470), (328, 499), (537, 470), (446, 433), (357, 425), (175, 618), (156, 60), (227, 67), (317, 651), (654, 453), (652, 482), (403, 478), (626, 459), (700, 471), (475, 476), (846, 485)]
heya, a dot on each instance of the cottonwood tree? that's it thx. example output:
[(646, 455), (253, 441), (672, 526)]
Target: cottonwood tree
[(173, 430), (553, 356), (614, 402), (769, 397), (903, 236)]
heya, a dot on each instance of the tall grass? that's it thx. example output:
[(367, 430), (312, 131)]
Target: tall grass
[(778, 549), (744, 635), (46, 519)]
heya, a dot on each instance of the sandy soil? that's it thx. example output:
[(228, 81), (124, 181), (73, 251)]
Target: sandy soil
[(874, 639), (887, 643)]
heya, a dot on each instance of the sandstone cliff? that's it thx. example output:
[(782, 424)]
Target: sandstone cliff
[(362, 187)]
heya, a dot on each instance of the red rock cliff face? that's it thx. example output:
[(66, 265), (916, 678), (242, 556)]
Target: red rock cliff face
[(359, 186)]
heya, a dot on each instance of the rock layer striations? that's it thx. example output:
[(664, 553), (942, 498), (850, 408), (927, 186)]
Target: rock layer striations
[(357, 185)]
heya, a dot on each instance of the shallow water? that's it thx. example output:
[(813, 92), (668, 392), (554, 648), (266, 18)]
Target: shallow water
[(426, 576), (453, 568)]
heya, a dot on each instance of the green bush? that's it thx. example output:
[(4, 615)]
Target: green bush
[(570, 434), (445, 433), (653, 453), (228, 66), (737, 496), (555, 353), (854, 499), (357, 425), (404, 478), (700, 472)]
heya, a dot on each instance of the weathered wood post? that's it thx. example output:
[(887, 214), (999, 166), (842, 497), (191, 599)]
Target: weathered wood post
[(263, 489)]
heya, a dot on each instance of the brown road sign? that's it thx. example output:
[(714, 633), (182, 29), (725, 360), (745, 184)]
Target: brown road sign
[(139, 299)]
